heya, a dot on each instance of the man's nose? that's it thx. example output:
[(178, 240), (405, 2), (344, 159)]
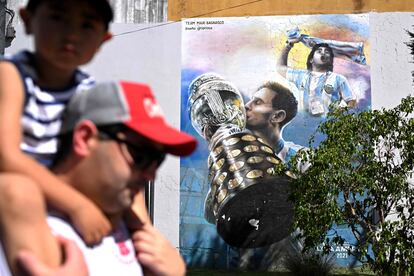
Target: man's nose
[(247, 106)]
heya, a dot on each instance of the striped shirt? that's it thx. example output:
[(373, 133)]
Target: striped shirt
[(41, 118), (286, 150), (323, 89)]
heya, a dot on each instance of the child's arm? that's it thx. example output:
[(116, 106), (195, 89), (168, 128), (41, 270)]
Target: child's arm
[(87, 218)]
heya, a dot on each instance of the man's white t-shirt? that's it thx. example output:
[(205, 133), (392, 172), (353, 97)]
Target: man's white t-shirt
[(115, 255)]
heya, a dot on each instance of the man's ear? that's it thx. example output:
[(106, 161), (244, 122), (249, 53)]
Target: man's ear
[(84, 138), (278, 116), (26, 17)]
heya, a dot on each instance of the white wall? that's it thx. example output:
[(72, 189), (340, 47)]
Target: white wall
[(391, 61), (151, 56)]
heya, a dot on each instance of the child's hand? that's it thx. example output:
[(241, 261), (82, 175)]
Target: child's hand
[(90, 222), (156, 254), (74, 263)]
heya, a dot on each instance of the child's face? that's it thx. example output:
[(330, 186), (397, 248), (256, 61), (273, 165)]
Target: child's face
[(66, 33)]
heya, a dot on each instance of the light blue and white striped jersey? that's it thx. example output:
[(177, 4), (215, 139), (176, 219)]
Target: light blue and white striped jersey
[(41, 118), (329, 87), (286, 150)]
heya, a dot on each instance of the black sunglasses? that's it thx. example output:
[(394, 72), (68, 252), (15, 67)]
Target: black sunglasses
[(143, 157)]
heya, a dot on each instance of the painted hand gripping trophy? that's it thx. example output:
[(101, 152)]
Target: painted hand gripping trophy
[(248, 198)]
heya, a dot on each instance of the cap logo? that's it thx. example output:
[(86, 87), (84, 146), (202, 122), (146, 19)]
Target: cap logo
[(152, 108)]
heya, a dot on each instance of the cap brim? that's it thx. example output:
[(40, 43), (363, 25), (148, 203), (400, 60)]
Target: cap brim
[(175, 142)]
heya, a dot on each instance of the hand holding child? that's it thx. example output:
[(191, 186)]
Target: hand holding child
[(156, 254)]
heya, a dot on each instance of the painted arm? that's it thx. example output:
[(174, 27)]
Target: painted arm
[(346, 93), (283, 57)]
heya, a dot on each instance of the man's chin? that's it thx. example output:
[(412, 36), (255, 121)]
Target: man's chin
[(252, 126)]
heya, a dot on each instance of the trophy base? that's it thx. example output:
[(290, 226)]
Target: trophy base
[(258, 215)]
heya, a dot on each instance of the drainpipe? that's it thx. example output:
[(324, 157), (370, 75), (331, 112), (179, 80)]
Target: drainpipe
[(2, 26)]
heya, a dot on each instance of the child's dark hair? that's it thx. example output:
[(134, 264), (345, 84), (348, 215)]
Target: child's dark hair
[(102, 6)]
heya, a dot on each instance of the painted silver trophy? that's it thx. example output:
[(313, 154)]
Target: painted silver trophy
[(247, 199)]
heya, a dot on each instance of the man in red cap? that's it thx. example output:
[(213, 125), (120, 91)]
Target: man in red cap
[(113, 139)]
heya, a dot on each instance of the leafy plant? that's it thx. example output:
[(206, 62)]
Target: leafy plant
[(311, 263), (361, 175)]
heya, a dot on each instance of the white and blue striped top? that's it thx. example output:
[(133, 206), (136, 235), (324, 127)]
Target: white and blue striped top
[(41, 118)]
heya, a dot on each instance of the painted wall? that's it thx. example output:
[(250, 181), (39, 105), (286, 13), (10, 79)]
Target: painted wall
[(244, 51)]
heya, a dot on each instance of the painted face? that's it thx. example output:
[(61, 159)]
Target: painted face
[(322, 56), (120, 173), (66, 33), (259, 109)]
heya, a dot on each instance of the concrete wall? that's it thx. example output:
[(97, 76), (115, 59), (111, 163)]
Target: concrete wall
[(391, 61), (151, 56)]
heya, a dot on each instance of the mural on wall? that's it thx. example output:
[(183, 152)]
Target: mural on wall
[(255, 89)]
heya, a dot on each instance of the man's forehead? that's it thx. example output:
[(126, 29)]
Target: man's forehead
[(265, 94), (320, 48)]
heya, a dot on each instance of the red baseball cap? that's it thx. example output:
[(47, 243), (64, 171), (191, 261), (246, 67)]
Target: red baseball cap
[(131, 104)]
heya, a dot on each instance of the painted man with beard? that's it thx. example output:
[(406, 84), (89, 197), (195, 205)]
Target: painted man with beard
[(269, 110)]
